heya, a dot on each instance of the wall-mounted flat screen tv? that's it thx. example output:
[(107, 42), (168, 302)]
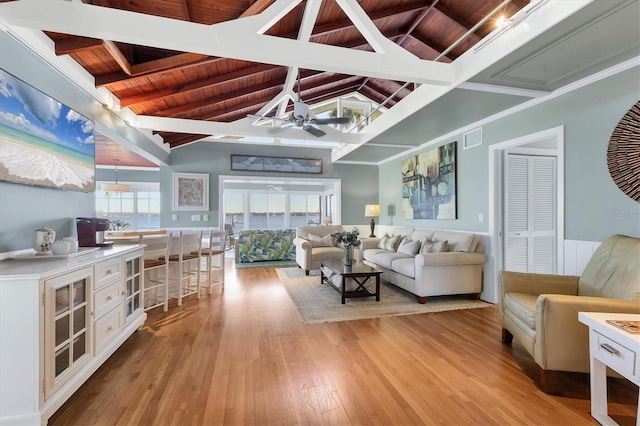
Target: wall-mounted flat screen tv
[(42, 141)]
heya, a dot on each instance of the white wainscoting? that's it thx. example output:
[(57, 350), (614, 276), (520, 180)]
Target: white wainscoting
[(577, 255)]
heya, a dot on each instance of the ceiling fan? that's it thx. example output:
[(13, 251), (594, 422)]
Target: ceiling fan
[(303, 118)]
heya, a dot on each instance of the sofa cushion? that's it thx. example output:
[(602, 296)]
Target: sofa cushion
[(429, 246), (408, 247), (385, 259), (324, 253), (317, 241), (370, 254), (458, 241), (522, 306), (420, 234), (403, 231), (405, 266)]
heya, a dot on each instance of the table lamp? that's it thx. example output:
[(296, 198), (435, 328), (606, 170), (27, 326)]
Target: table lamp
[(372, 210)]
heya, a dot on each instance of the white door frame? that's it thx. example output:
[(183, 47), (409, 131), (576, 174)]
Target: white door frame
[(495, 262), (335, 183)]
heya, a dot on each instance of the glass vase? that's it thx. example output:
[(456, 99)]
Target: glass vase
[(348, 255)]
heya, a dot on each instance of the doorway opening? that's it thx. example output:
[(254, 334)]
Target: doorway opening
[(547, 143), (248, 202)]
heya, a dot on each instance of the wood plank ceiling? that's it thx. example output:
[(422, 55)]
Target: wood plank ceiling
[(162, 83)]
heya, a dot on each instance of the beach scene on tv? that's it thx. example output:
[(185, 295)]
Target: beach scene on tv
[(42, 141)]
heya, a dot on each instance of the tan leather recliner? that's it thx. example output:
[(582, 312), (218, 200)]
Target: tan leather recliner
[(541, 311)]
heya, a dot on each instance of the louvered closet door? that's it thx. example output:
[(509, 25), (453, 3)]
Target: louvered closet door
[(530, 214)]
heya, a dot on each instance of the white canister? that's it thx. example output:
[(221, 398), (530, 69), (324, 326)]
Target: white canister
[(73, 242), (44, 239), (61, 247)]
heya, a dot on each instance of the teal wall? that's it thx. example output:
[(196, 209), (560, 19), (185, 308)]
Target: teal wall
[(594, 206), (358, 182)]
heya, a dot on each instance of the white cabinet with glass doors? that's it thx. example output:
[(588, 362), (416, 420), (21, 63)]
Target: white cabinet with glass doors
[(67, 324), (60, 320)]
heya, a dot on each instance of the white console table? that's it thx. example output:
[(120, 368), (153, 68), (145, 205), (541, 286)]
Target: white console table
[(60, 320), (612, 347)]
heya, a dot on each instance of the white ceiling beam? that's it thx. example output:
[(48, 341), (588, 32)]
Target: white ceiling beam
[(271, 15), (371, 33), (366, 27), (471, 63), (237, 39), (309, 18), (242, 128), (503, 90)]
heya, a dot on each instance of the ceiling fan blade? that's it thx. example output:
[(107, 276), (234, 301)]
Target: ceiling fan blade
[(336, 120), (314, 130)]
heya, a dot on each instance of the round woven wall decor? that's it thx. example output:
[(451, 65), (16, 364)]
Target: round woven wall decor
[(623, 153)]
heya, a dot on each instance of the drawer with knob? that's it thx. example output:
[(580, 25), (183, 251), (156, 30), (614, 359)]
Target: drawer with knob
[(107, 298), (613, 354), (106, 328), (108, 272)]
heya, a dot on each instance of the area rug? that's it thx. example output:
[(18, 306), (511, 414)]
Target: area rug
[(317, 302)]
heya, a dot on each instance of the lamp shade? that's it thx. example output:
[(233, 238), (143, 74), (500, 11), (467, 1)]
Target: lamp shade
[(115, 187), (372, 210)]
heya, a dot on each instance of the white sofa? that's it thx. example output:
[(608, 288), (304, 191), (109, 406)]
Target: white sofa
[(455, 271)]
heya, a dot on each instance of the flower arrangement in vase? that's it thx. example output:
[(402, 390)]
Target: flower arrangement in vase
[(349, 240)]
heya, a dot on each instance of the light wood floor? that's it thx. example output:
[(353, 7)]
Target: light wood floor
[(241, 357)]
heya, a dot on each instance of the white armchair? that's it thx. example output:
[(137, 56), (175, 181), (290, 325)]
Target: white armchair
[(309, 253)]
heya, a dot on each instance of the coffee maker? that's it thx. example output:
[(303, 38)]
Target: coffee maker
[(91, 231)]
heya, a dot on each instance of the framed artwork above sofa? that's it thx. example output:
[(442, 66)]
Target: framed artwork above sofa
[(429, 184)]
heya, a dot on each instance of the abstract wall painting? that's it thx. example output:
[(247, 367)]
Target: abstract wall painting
[(429, 184)]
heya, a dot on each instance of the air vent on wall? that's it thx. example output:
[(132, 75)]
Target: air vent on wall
[(472, 138)]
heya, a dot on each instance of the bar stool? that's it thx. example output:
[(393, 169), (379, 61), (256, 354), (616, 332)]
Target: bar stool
[(213, 259), (185, 260), (155, 289)]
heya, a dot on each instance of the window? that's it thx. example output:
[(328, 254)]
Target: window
[(271, 211), (249, 202), (305, 210), (139, 209)]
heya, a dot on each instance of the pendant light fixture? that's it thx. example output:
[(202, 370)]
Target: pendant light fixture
[(116, 187)]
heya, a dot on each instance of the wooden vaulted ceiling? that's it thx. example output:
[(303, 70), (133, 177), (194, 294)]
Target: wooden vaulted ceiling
[(162, 83)]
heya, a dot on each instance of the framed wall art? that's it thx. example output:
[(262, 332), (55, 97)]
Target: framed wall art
[(254, 163), (43, 142), (190, 192), (429, 184)]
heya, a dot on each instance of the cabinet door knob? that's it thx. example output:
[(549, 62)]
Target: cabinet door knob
[(109, 297), (108, 271), (110, 328)]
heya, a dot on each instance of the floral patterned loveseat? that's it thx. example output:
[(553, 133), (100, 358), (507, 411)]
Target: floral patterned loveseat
[(255, 245)]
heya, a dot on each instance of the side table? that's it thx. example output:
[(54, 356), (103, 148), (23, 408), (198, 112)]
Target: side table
[(612, 347)]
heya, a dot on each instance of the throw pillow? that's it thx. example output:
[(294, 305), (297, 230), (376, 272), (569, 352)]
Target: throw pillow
[(429, 246), (408, 247), (383, 241), (317, 241), (393, 243)]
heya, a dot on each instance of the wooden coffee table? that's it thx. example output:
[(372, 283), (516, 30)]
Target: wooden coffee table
[(358, 272)]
